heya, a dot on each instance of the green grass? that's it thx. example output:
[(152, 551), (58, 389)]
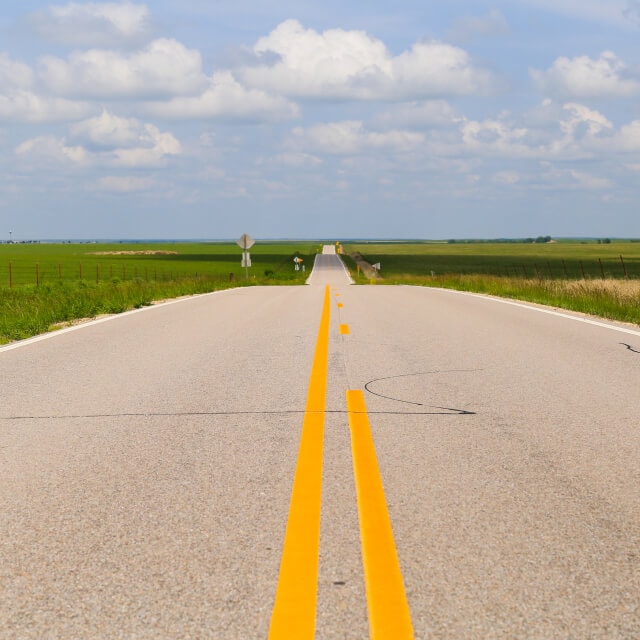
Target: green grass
[(116, 283), (550, 274), (562, 260), (42, 263)]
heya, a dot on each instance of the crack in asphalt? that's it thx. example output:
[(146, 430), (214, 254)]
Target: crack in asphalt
[(624, 344), (444, 412)]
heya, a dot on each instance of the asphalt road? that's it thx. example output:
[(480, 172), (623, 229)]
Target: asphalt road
[(147, 464)]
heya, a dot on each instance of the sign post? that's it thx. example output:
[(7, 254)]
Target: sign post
[(245, 242)]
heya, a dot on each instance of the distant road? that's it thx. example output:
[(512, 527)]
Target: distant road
[(147, 466)]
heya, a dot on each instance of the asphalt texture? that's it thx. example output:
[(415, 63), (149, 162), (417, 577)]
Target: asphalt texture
[(146, 466)]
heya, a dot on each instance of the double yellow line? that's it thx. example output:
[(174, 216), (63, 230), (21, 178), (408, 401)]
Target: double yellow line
[(294, 611)]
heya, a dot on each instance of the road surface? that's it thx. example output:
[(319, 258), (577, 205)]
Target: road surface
[(147, 469)]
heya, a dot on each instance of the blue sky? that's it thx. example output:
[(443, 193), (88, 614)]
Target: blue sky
[(199, 119)]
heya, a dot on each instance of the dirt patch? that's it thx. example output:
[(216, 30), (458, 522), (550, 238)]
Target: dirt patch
[(146, 252)]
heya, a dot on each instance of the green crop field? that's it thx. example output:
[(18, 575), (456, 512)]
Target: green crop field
[(44, 286), (596, 279), (561, 260), (48, 263)]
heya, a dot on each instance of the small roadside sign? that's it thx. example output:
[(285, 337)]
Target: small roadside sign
[(245, 241)]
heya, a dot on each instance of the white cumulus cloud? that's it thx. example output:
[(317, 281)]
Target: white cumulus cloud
[(14, 74), (341, 64), (94, 23), (496, 136), (155, 154), (585, 77), (108, 131), (583, 120), (628, 137), (164, 68), (21, 102), (106, 140), (26, 106), (47, 149), (226, 98), (420, 114), (351, 137)]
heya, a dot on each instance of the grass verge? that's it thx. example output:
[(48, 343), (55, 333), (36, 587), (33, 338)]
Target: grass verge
[(612, 299), (45, 286), (29, 310)]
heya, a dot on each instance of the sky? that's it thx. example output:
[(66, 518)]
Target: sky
[(362, 119)]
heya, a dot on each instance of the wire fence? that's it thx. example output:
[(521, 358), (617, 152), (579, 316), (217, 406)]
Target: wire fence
[(19, 274), (46, 272)]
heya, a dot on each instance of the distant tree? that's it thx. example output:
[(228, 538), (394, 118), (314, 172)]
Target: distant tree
[(606, 241)]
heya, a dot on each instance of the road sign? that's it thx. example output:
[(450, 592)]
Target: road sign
[(376, 266), (245, 241)]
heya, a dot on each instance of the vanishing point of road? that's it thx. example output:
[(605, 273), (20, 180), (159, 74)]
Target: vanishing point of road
[(327, 461)]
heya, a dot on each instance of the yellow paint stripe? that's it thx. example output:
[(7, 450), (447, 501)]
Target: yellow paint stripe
[(389, 615), (294, 610), (340, 305), (344, 329)]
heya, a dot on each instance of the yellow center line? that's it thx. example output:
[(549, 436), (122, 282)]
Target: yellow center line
[(389, 615), (294, 610)]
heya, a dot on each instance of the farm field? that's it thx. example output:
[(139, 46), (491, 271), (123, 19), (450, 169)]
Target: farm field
[(558, 260), (95, 262), (45, 286), (596, 279)]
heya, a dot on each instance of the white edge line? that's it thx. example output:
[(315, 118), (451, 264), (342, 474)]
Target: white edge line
[(115, 316), (550, 312)]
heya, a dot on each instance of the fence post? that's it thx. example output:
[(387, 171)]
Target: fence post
[(624, 267), (564, 266), (37, 275), (526, 275), (10, 276), (601, 268), (97, 274), (582, 269), (537, 272)]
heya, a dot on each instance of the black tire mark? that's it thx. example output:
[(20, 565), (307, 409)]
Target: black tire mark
[(624, 344), (448, 410)]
